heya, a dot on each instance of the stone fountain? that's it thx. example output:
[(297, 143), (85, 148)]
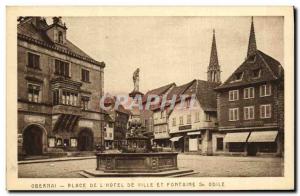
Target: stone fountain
[(136, 157)]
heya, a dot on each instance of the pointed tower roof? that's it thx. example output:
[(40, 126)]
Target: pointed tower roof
[(252, 48), (214, 62)]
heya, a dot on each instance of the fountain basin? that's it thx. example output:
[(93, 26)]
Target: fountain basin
[(137, 162)]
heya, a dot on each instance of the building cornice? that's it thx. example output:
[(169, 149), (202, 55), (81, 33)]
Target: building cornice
[(247, 128), (60, 50)]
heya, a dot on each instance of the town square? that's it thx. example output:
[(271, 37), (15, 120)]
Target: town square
[(161, 97)]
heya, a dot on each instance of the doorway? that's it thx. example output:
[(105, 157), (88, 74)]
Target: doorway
[(85, 140), (33, 140)]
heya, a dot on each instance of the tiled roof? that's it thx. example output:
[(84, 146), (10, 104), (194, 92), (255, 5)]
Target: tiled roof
[(158, 91), (179, 90), (270, 68), (29, 32), (203, 90), (205, 94), (176, 91)]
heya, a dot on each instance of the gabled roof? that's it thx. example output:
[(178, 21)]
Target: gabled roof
[(203, 90), (37, 35), (176, 91), (179, 90), (158, 91), (205, 94), (270, 68)]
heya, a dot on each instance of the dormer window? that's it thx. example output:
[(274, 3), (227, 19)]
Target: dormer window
[(60, 37), (239, 76), (256, 73)]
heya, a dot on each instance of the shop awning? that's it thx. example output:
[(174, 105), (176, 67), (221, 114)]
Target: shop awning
[(194, 133), (263, 136), (236, 137), (175, 139)]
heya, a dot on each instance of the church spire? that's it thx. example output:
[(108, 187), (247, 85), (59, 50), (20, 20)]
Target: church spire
[(214, 62), (213, 72), (252, 41)]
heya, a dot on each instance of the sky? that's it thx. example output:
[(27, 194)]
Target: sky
[(169, 49)]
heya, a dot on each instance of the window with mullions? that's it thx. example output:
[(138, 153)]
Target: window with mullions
[(33, 61), (265, 90), (233, 95), (248, 112), (249, 93), (233, 114), (265, 111), (85, 75), (62, 68), (69, 98), (34, 93), (85, 103)]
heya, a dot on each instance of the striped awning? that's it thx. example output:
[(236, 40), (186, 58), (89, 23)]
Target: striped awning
[(263, 136), (236, 137), (65, 122), (175, 139)]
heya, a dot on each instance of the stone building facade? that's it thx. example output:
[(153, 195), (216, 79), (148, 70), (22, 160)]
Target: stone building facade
[(59, 91), (251, 106)]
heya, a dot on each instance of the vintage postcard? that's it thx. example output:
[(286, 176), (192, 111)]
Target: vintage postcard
[(150, 98)]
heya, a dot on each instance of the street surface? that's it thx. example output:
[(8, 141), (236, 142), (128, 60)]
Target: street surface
[(207, 166)]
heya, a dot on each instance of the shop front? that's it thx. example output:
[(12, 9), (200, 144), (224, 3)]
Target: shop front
[(252, 143), (262, 142), (236, 143)]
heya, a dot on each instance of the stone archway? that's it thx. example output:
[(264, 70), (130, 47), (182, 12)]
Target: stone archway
[(33, 140), (86, 140)]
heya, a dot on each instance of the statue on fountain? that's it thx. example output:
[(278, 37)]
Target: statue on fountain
[(136, 84), (136, 79)]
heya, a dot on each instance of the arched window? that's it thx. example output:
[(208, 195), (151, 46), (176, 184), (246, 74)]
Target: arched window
[(60, 37)]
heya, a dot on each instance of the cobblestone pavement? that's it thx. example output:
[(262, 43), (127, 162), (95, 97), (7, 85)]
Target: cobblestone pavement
[(207, 166)]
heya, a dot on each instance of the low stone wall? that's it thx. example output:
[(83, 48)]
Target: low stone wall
[(137, 162)]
